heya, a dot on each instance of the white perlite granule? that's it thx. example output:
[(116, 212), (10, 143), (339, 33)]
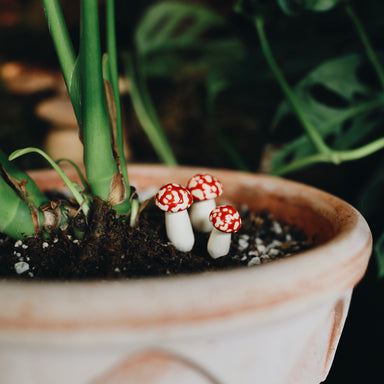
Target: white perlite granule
[(254, 261), (243, 243), (21, 267), (18, 243)]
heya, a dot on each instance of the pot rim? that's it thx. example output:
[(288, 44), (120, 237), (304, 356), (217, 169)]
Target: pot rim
[(280, 288)]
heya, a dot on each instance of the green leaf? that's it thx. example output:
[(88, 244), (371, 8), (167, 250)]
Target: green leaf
[(172, 35), (331, 96), (379, 253), (293, 7)]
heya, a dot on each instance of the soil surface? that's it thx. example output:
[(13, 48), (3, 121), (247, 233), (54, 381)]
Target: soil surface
[(112, 249)]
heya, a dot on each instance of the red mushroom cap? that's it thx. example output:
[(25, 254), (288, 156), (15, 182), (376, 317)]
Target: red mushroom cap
[(204, 187), (173, 198), (225, 218)]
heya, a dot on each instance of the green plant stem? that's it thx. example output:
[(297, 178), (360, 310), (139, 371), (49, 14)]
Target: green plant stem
[(114, 78), (60, 37), (32, 192), (302, 162), (366, 43), (77, 169), (355, 111), (363, 151), (15, 214), (71, 186), (99, 161), (146, 113), (339, 156), (313, 135)]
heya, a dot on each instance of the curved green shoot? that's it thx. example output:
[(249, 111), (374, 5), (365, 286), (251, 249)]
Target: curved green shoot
[(77, 169), (83, 203)]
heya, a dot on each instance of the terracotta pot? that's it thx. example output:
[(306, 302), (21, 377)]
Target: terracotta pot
[(276, 323)]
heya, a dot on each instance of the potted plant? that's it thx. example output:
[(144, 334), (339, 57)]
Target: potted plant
[(217, 327)]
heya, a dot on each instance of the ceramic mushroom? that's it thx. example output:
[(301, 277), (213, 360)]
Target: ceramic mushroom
[(225, 220), (175, 200), (204, 189)]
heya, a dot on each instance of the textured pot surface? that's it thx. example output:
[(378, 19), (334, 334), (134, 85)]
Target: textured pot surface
[(276, 323)]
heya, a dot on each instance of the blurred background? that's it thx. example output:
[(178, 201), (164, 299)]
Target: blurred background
[(219, 106)]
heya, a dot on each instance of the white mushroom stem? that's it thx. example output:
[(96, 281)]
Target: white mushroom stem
[(218, 243), (179, 230), (200, 211)]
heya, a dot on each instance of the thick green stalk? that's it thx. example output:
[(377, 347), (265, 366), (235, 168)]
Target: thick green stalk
[(60, 37), (114, 79), (366, 43), (32, 192), (99, 161), (313, 135), (15, 213)]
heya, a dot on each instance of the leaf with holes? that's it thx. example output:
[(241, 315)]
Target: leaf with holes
[(172, 35), (331, 98), (292, 7)]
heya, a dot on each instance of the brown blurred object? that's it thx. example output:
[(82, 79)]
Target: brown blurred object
[(62, 139), (25, 79), (9, 12)]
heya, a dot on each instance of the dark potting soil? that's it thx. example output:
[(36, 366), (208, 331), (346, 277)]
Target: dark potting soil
[(112, 249)]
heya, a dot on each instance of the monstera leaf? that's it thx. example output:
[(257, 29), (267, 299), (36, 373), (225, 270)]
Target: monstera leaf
[(339, 115), (292, 7), (173, 34)]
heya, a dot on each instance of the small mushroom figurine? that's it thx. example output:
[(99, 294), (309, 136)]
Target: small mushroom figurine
[(225, 220), (175, 200), (204, 188)]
